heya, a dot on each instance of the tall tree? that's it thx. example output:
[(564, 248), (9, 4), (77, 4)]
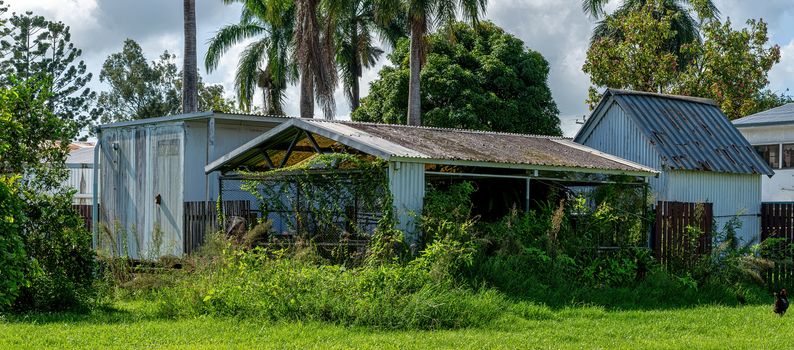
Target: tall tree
[(421, 15), (314, 54), (35, 47), (265, 63), (189, 66), (684, 17), (138, 89), (357, 28), (729, 66), (481, 78)]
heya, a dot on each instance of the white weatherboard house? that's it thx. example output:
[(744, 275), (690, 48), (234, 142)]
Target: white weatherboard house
[(771, 133), (702, 157), (148, 169)]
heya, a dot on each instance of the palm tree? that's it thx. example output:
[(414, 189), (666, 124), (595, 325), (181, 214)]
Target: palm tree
[(314, 54), (359, 20), (421, 15), (266, 62), (189, 69), (685, 25)]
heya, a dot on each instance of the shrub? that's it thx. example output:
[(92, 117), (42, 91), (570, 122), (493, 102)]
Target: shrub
[(59, 247), (13, 258), (263, 284)]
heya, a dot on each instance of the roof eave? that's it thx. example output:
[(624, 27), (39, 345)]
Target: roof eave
[(642, 173)]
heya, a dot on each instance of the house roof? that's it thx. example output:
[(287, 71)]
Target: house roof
[(197, 116), (775, 116), (440, 146), (689, 133), (80, 156)]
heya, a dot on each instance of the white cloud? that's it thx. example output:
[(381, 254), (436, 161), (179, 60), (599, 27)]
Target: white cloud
[(557, 29)]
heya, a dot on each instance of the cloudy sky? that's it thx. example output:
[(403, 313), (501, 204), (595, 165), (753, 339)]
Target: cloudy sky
[(555, 28)]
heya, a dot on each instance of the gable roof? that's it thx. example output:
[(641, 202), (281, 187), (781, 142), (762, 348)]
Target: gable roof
[(776, 116), (440, 146), (689, 133)]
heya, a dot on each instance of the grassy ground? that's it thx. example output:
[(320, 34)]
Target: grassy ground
[(132, 325)]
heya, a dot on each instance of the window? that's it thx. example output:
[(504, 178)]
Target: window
[(788, 155), (770, 154)]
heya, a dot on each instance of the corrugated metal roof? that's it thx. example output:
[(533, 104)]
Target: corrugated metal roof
[(197, 115), (84, 155), (775, 116), (689, 133), (399, 142)]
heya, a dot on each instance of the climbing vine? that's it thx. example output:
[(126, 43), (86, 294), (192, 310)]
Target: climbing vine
[(326, 198)]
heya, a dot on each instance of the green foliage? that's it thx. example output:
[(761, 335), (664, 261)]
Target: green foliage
[(265, 63), (727, 65), (476, 78), (258, 284), (13, 260), (55, 257), (59, 248), (139, 89), (36, 48)]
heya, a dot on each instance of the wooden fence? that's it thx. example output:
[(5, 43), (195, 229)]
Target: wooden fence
[(87, 212), (202, 217), (777, 221), (675, 244)]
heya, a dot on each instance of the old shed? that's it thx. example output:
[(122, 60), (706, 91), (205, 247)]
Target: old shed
[(511, 164), (700, 154), (151, 170)]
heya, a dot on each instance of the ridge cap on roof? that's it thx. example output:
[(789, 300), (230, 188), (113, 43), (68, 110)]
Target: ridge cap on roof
[(701, 100), (435, 128)]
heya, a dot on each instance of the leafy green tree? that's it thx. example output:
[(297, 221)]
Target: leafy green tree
[(138, 89), (421, 15), (683, 16), (35, 46), (52, 269), (729, 66), (266, 63), (479, 78)]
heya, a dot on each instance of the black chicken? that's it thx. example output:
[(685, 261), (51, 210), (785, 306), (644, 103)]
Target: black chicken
[(781, 304)]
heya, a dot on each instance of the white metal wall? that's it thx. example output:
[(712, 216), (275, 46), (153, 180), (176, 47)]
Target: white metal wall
[(136, 165), (228, 136), (732, 194), (407, 186), (81, 179)]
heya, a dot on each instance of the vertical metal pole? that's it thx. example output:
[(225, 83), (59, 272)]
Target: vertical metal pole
[(221, 220), (646, 209), (526, 201), (95, 191)]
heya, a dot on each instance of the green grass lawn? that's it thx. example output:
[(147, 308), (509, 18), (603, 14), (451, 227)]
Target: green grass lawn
[(130, 325)]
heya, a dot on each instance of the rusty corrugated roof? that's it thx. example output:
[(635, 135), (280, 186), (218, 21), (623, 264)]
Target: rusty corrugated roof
[(438, 144), (690, 133)]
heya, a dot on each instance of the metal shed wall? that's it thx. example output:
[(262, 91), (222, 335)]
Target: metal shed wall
[(136, 165), (617, 135), (81, 178), (407, 186), (732, 194), (198, 153)]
